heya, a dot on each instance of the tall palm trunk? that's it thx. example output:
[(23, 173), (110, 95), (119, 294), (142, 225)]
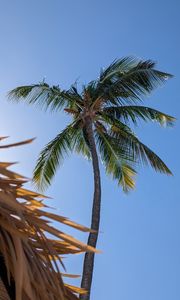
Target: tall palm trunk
[(95, 220)]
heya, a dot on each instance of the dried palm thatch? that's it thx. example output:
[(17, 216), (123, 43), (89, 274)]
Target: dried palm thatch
[(30, 262), (3, 292)]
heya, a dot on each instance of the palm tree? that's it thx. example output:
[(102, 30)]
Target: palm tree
[(30, 262), (102, 112)]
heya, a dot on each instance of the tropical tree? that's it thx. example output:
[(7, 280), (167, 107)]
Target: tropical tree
[(30, 261), (102, 113)]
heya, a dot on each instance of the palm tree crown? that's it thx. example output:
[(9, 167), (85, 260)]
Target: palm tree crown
[(111, 103)]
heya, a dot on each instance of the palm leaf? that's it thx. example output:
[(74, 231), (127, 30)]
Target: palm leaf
[(71, 138), (116, 160), (51, 156), (117, 66), (129, 79), (135, 113), (79, 140), (17, 144), (42, 94), (124, 136)]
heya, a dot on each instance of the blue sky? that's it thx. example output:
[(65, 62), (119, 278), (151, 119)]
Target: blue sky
[(64, 41)]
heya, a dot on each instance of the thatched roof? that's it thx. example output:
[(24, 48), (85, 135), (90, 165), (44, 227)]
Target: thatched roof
[(32, 261)]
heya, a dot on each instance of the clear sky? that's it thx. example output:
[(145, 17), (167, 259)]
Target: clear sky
[(65, 41)]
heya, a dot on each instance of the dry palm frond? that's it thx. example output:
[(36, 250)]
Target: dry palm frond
[(30, 261)]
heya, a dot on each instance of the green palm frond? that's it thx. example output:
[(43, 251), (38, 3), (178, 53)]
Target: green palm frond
[(116, 160), (71, 138), (51, 157), (129, 79), (124, 136), (52, 98), (80, 143), (135, 113), (127, 180), (117, 66)]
